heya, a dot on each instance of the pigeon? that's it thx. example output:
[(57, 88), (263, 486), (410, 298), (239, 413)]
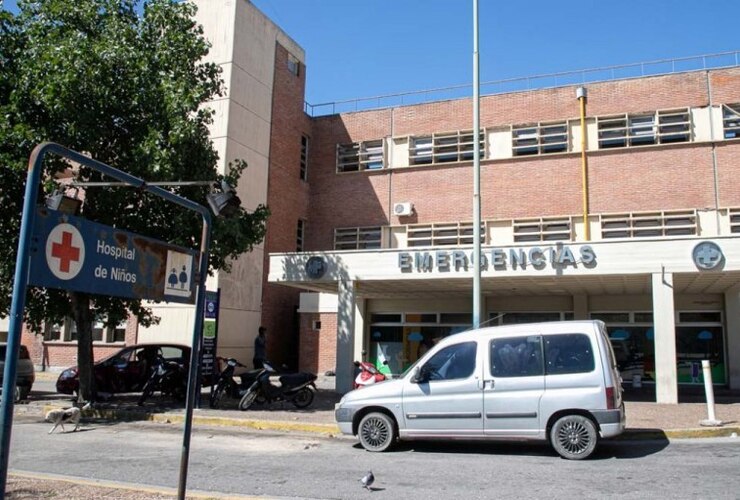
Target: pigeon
[(367, 480)]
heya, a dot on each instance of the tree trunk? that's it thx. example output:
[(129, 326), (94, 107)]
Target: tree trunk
[(84, 320)]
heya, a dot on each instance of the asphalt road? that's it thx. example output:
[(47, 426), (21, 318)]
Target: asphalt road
[(247, 462)]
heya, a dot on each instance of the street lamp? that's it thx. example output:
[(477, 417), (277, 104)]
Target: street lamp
[(60, 201)]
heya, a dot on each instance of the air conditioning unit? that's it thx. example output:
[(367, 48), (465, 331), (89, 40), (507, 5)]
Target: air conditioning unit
[(403, 209)]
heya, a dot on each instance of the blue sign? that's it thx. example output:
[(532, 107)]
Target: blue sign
[(72, 253)]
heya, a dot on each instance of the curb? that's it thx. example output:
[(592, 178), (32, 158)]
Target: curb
[(331, 430)]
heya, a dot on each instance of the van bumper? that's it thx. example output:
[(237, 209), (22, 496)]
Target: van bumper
[(343, 417), (611, 422)]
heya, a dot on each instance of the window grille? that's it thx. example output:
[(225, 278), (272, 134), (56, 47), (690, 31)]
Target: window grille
[(661, 127), (542, 229), (734, 220), (357, 238), (649, 224), (447, 147), (731, 120), (366, 155), (444, 234), (541, 138), (294, 65), (300, 234), (304, 157)]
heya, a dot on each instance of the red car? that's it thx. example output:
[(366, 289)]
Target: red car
[(125, 371)]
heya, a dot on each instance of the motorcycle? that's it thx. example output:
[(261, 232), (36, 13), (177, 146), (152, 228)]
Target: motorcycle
[(169, 377), (367, 375), (227, 384), (298, 388)]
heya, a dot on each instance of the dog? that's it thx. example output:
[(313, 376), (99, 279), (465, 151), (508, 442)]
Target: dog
[(62, 416)]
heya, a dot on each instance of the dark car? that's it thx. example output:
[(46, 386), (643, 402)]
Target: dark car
[(125, 371), (25, 374)]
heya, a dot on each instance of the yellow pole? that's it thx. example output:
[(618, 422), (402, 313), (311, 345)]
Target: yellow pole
[(581, 94)]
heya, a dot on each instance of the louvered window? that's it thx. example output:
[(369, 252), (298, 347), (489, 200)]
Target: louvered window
[(447, 147), (442, 234), (357, 238), (649, 224), (542, 229), (358, 156), (539, 138), (731, 121)]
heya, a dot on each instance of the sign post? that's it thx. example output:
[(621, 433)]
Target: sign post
[(65, 256)]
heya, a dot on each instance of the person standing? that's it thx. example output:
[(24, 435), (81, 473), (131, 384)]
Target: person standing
[(259, 349)]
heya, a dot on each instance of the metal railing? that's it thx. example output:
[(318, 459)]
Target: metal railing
[(552, 80)]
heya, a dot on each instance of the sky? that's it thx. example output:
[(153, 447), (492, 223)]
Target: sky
[(365, 48)]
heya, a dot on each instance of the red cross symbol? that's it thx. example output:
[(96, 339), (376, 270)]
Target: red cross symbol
[(65, 252)]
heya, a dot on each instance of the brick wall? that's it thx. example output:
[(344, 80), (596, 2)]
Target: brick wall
[(318, 347), (287, 199)]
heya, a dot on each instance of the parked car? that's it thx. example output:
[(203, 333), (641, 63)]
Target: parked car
[(25, 372), (125, 371), (556, 382)]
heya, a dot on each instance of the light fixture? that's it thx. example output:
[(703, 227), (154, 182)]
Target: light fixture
[(63, 203), (224, 202)]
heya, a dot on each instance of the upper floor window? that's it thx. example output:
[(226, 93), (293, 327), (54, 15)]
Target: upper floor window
[(356, 238), (304, 157), (661, 127), (542, 229), (67, 331), (365, 155), (294, 65), (300, 235), (731, 120), (442, 234), (540, 138), (444, 148), (649, 224)]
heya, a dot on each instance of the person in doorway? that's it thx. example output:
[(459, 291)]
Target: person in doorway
[(260, 344)]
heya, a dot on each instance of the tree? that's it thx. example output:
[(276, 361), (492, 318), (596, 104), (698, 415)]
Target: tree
[(129, 90)]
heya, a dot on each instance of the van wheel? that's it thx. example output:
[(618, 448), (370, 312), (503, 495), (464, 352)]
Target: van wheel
[(376, 432), (574, 437)]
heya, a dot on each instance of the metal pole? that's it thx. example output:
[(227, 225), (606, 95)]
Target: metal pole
[(22, 263), (581, 96), (476, 174)]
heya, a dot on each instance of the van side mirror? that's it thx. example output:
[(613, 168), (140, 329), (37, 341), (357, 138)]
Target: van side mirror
[(421, 375)]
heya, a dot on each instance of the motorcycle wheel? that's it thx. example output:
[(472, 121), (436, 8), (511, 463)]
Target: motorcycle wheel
[(248, 399), (216, 396), (303, 398), (146, 392)]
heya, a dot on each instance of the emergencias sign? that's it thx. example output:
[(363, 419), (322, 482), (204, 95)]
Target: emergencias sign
[(73, 253), (558, 257)]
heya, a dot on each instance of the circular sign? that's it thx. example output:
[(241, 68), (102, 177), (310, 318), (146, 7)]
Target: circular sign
[(65, 251), (707, 255), (210, 307), (315, 267)]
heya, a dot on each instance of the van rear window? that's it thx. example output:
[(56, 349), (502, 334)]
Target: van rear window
[(568, 353)]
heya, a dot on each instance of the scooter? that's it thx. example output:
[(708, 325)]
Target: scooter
[(368, 374), (169, 377), (228, 385), (298, 388)]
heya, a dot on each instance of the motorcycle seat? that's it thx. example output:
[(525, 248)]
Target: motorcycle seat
[(293, 379)]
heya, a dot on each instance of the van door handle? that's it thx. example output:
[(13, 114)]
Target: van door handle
[(489, 382)]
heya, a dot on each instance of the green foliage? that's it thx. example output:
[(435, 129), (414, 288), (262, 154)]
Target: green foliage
[(127, 89)]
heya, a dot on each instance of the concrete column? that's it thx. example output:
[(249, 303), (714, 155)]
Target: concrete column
[(360, 341), (666, 373), (732, 347), (580, 307), (346, 309)]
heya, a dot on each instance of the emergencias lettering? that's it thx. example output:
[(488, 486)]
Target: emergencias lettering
[(558, 257)]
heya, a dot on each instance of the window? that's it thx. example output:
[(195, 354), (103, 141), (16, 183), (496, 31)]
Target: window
[(449, 147), (731, 120), (734, 220), (358, 156), (304, 157), (294, 65), (443, 234), (300, 233), (517, 357), (640, 129), (540, 138), (357, 238), (453, 362), (542, 229), (568, 353), (649, 224), (54, 331)]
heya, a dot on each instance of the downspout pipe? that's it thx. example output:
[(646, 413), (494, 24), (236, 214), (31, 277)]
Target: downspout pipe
[(581, 96)]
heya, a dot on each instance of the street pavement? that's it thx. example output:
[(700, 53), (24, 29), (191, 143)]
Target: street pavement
[(645, 420)]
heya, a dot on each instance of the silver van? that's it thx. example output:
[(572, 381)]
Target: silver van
[(555, 382)]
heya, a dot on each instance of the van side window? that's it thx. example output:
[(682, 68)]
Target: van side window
[(516, 356), (453, 362), (568, 353)]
